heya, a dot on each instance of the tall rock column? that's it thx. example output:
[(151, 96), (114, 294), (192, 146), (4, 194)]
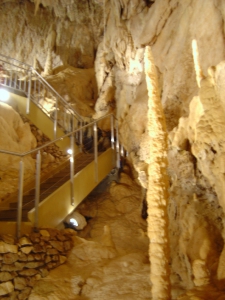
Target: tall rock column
[(157, 193)]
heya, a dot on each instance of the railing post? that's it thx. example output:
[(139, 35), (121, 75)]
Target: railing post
[(37, 188), (55, 118), (20, 199), (117, 146), (20, 84), (65, 124), (39, 90), (15, 81), (112, 132), (96, 150), (10, 79), (121, 150), (81, 138), (72, 155), (28, 92), (5, 81), (35, 93)]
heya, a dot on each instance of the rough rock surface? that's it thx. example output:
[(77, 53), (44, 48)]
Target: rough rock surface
[(26, 43), (15, 136), (112, 35), (29, 259), (109, 259), (77, 86), (18, 134)]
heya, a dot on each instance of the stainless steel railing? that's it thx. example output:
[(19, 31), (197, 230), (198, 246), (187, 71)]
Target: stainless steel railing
[(92, 127), (24, 78)]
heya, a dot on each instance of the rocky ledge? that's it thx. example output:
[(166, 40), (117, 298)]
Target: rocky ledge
[(30, 258)]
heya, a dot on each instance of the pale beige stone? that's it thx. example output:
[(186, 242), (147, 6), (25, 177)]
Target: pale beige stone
[(200, 272), (44, 272), (10, 258), (37, 257), (6, 288), (34, 264), (22, 256), (28, 272), (67, 245), (20, 283), (5, 276), (38, 248), (5, 248), (27, 249), (24, 241), (30, 257), (13, 267), (52, 251), (44, 233), (47, 259), (24, 293), (57, 245), (9, 239), (62, 259)]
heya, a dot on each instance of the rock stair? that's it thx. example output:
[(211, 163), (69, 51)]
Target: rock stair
[(46, 188)]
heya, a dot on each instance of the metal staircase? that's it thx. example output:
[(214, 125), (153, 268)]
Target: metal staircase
[(47, 187), (22, 78)]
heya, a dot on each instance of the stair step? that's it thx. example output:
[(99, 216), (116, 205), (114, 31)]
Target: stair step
[(46, 188), (8, 215)]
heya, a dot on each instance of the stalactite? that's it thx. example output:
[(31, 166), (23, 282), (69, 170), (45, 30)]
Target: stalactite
[(35, 63), (157, 195), (50, 44), (198, 70), (48, 64), (37, 3)]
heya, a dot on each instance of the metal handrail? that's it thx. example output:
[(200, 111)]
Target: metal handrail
[(39, 83), (22, 63), (55, 92), (26, 87), (38, 163), (29, 67), (55, 140)]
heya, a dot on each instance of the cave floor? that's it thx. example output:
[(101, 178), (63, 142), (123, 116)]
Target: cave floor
[(109, 259)]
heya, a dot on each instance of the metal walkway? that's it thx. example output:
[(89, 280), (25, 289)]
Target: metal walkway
[(46, 188), (49, 202)]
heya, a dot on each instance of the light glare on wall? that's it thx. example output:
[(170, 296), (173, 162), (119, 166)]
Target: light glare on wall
[(4, 95)]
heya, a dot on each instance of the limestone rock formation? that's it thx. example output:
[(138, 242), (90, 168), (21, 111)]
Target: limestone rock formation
[(77, 86), (16, 135), (61, 37), (157, 193)]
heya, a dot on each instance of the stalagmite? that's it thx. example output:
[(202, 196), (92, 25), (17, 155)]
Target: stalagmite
[(157, 196)]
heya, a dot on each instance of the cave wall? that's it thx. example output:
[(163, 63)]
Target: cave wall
[(111, 35), (68, 28), (193, 109)]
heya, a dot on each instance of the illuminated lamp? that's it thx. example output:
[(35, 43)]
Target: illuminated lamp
[(4, 95)]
